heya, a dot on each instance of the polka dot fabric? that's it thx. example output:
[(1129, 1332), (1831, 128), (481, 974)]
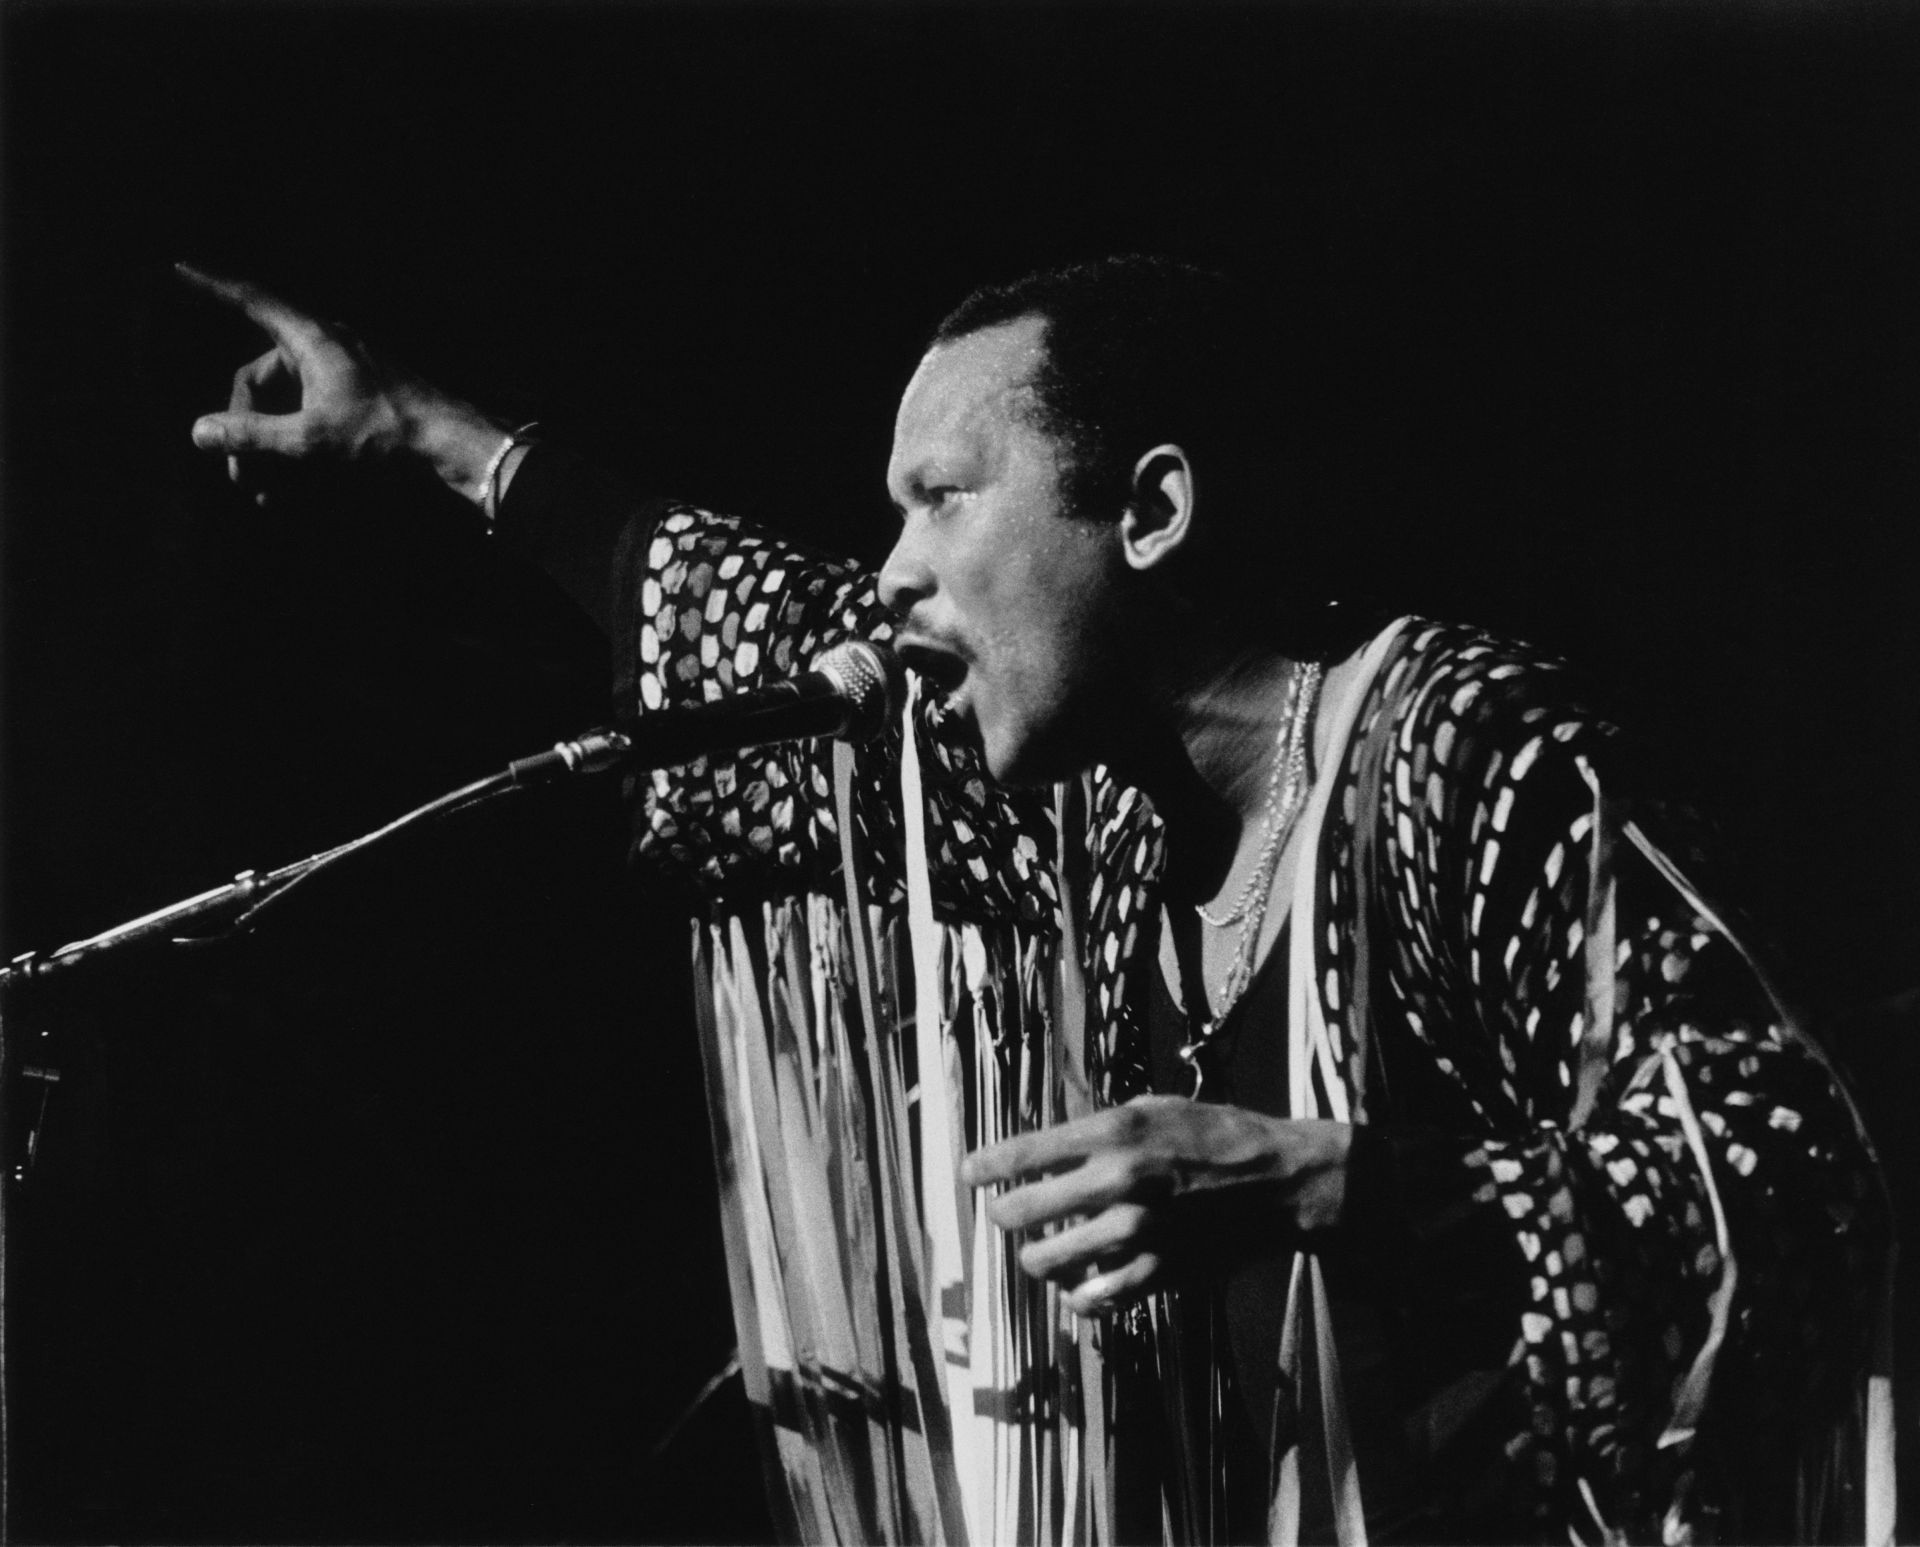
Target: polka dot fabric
[(713, 607), (1480, 817), (1128, 845), (1465, 795)]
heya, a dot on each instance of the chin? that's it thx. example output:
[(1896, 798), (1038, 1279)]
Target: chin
[(1012, 771), (1030, 747), (1026, 761), (1007, 758)]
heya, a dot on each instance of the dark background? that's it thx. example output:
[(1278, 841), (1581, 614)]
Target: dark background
[(394, 1222)]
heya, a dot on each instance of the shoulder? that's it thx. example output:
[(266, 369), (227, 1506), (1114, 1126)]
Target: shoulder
[(1471, 667), (1450, 696)]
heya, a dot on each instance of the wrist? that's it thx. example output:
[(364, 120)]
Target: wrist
[(455, 439), (516, 453), (1324, 1199)]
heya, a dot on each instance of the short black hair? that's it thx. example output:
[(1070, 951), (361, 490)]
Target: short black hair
[(1141, 350)]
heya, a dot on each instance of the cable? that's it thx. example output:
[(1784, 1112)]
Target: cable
[(462, 799), (720, 1377)]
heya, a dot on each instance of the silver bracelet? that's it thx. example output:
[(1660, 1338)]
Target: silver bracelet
[(490, 479)]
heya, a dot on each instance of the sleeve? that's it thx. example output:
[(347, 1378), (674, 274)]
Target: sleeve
[(700, 605), (571, 516), (1694, 1220)]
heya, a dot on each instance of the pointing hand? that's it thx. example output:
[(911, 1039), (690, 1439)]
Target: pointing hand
[(319, 393)]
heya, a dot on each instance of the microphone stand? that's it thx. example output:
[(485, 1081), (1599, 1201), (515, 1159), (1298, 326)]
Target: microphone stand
[(25, 1051)]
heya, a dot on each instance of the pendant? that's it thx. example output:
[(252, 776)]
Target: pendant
[(1190, 1052)]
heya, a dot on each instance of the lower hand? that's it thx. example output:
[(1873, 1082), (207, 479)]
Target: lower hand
[(1162, 1190)]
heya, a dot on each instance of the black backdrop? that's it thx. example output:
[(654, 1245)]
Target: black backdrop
[(394, 1222)]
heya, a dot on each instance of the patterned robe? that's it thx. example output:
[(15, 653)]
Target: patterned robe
[(1628, 1236)]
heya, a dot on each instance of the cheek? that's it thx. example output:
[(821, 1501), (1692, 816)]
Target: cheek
[(1056, 657), (1078, 610), (1043, 607)]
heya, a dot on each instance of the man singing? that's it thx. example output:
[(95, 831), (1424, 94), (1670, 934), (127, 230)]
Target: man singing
[(1231, 1065)]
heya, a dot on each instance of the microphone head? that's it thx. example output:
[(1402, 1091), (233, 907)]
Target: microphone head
[(868, 679)]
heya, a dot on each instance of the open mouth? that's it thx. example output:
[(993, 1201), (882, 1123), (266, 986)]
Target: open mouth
[(943, 670)]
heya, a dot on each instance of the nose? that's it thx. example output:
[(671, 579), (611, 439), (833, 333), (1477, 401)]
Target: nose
[(906, 577)]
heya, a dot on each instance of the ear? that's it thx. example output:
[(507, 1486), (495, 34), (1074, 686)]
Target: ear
[(1158, 519)]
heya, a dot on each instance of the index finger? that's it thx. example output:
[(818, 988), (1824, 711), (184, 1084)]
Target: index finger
[(1045, 1149), (285, 323)]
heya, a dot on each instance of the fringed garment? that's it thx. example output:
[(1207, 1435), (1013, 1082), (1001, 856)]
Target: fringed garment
[(1631, 1243)]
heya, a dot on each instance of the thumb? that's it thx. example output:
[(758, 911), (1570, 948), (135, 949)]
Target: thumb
[(242, 431)]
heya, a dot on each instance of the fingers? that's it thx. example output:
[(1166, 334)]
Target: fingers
[(288, 326), (1108, 1291), (1049, 1149), (243, 432), (256, 376), (1026, 1153), (1121, 1231), (1104, 1179), (253, 384), (244, 429), (1107, 1260)]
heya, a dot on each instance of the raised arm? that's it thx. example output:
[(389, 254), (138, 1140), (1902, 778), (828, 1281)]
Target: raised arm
[(320, 393)]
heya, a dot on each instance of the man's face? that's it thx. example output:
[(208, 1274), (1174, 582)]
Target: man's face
[(1007, 603)]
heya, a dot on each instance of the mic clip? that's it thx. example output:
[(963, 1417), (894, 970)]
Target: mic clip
[(590, 752)]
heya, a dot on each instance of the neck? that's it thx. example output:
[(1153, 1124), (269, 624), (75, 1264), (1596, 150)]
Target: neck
[(1206, 758)]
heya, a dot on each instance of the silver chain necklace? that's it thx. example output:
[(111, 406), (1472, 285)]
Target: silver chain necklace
[(1285, 780), (1286, 794)]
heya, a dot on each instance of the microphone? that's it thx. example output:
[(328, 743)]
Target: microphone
[(851, 692)]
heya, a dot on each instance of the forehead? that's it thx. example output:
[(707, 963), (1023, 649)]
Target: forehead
[(970, 385)]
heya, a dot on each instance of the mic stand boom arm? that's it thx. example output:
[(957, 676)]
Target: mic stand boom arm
[(851, 692), (237, 906), (24, 1050), (242, 898)]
